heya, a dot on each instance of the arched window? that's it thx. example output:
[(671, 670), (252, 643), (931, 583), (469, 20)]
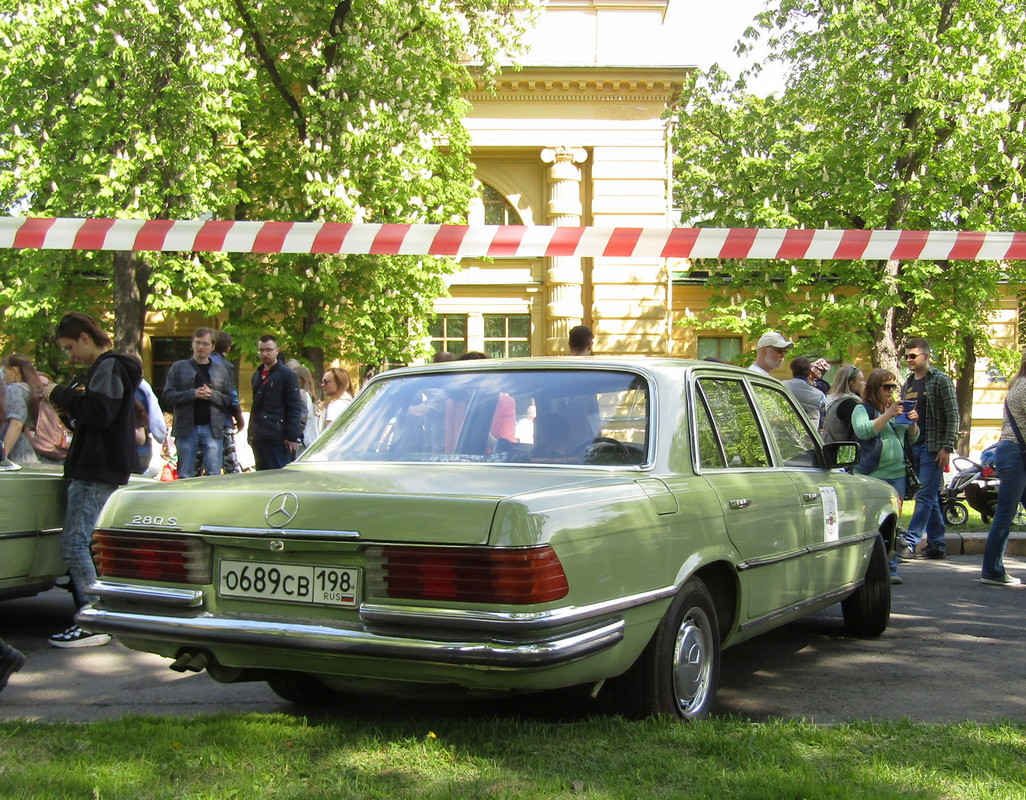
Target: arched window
[(497, 209)]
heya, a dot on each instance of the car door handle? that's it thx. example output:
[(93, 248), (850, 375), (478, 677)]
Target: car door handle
[(810, 496), (742, 503)]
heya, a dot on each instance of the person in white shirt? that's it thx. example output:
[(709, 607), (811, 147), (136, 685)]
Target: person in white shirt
[(771, 351), (337, 390)]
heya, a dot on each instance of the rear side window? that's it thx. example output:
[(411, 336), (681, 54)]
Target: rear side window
[(733, 427)]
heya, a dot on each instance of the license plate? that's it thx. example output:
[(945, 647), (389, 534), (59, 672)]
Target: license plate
[(290, 583)]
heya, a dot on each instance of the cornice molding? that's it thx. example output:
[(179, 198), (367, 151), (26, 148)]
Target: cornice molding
[(657, 84)]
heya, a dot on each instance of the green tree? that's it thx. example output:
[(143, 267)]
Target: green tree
[(237, 109), (905, 114)]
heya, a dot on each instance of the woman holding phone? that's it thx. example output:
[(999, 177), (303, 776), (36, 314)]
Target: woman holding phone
[(874, 419)]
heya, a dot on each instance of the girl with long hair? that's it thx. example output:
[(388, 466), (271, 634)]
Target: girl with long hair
[(338, 391), (24, 389), (845, 393)]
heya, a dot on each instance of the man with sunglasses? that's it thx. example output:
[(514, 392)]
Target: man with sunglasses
[(937, 406)]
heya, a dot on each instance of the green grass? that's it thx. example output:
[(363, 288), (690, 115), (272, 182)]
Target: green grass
[(277, 756)]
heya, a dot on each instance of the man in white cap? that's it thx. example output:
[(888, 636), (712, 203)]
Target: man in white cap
[(772, 349)]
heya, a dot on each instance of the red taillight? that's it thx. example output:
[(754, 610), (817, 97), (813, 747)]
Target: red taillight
[(151, 558), (468, 574)]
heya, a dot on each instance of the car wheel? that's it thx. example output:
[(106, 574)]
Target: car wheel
[(679, 670), (868, 609), (956, 514), (304, 690)]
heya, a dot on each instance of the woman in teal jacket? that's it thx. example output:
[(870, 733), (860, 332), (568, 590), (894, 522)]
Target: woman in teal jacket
[(874, 418)]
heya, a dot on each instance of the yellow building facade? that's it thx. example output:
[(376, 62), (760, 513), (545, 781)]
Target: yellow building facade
[(580, 135)]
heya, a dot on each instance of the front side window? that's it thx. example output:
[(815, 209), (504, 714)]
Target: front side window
[(501, 416), (791, 435), (733, 419)]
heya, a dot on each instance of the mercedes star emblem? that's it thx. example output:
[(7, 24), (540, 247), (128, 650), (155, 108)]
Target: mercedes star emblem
[(281, 510)]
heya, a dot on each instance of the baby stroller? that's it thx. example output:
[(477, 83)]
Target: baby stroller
[(953, 497), (978, 484)]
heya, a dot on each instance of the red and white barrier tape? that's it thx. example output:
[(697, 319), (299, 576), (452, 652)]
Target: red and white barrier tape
[(469, 241)]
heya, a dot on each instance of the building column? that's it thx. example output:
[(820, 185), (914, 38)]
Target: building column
[(565, 275)]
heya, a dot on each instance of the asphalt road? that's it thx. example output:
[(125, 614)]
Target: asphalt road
[(953, 652)]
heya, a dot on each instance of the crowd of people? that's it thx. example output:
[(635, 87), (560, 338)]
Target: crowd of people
[(201, 396), (908, 431)]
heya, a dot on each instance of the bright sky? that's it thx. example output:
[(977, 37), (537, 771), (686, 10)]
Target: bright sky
[(707, 31)]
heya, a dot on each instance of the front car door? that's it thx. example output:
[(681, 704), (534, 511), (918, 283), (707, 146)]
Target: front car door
[(758, 499), (829, 499)]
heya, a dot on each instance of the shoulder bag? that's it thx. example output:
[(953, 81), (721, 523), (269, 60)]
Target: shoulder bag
[(870, 450)]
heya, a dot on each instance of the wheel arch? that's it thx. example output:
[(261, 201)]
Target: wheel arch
[(721, 580)]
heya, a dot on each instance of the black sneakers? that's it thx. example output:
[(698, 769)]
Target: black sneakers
[(932, 552), (79, 637)]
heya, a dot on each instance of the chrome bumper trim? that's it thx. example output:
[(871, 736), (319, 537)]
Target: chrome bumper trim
[(393, 614), (179, 598), (281, 635)]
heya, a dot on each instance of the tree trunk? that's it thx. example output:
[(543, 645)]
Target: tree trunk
[(885, 335), (131, 292), (964, 385), (315, 355)]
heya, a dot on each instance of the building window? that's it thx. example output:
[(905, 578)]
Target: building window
[(722, 348), (166, 351), (449, 332), (497, 209), (507, 335)]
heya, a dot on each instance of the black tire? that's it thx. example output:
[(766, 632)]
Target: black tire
[(956, 514), (868, 609), (679, 671), (304, 690)]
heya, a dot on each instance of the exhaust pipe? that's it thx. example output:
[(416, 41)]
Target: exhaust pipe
[(191, 661)]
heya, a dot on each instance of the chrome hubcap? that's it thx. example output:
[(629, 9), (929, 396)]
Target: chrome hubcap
[(691, 662)]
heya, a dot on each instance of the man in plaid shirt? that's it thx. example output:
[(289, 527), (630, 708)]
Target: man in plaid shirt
[(937, 405)]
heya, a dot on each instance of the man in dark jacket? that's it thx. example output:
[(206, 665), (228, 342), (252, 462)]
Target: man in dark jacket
[(275, 420), (200, 392), (103, 450)]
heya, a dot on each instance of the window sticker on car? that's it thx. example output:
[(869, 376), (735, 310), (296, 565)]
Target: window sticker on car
[(831, 529)]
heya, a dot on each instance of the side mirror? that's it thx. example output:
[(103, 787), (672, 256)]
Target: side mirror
[(838, 455)]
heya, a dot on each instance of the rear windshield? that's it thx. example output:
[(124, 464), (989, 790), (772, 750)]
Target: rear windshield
[(509, 416)]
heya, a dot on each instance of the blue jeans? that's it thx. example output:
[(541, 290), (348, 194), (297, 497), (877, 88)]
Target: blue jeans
[(927, 520), (898, 484), (1011, 491), (200, 440), (85, 499)]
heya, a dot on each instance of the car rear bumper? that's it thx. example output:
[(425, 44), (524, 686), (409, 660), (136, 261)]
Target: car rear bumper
[(506, 646)]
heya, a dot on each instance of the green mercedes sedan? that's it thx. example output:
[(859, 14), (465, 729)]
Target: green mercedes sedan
[(508, 526)]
